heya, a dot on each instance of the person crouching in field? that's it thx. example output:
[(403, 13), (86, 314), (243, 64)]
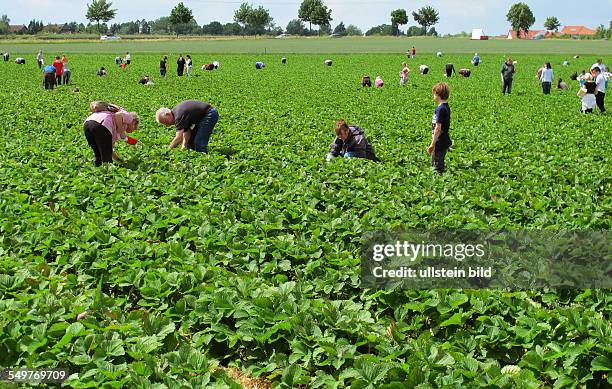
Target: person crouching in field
[(587, 95), (200, 116), (101, 72), (66, 73), (562, 85), (449, 69), (379, 82), (404, 73), (49, 77), (366, 81), (440, 126), (6, 56), (105, 126), (350, 142), (476, 59), (424, 69), (464, 72), (145, 80)]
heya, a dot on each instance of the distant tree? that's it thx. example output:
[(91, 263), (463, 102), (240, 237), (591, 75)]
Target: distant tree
[(114, 28), (325, 29), (521, 18), (296, 27), (432, 32), (253, 20), (213, 28), (416, 31), (274, 30), (145, 27), (610, 30), (161, 25), (4, 24), (398, 18), (383, 29), (601, 32), (34, 27), (232, 29), (352, 30), (552, 24), (180, 17), (426, 17), (340, 29), (100, 10), (315, 12)]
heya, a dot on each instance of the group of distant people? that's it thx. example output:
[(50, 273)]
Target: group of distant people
[(57, 73)]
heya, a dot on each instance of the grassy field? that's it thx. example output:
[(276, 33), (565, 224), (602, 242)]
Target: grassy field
[(318, 45), (165, 272)]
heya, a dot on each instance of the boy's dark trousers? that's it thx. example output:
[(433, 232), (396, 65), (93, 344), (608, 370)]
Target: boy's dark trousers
[(546, 87), (49, 80), (599, 98), (437, 159), (507, 86)]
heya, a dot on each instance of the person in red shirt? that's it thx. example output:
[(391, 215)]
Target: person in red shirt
[(59, 70)]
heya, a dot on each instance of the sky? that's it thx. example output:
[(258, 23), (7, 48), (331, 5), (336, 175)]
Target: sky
[(455, 15)]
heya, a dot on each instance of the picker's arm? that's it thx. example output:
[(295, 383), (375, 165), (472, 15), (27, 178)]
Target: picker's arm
[(177, 139)]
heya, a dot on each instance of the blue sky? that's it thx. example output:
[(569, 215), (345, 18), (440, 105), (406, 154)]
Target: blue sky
[(455, 15)]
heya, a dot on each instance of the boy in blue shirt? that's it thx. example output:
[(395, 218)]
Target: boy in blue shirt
[(49, 77), (440, 126)]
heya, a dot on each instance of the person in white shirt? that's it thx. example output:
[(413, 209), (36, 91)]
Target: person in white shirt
[(39, 59), (424, 69), (189, 64), (599, 64), (128, 58), (600, 82), (547, 78)]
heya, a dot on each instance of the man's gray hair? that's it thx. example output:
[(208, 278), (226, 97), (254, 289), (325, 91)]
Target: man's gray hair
[(162, 112)]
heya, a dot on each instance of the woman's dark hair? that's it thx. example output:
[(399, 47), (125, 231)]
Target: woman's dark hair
[(548, 65)]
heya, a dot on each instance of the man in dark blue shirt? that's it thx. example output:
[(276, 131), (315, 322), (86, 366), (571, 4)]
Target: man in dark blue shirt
[(440, 126)]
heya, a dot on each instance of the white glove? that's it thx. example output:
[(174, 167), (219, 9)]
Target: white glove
[(329, 157)]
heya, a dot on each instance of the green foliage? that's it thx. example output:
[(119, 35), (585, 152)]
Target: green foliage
[(4, 24), (180, 17), (398, 18), (253, 20), (296, 27), (520, 17), (213, 28), (315, 12), (249, 257), (552, 23), (340, 29), (100, 10), (352, 30), (382, 30), (426, 17)]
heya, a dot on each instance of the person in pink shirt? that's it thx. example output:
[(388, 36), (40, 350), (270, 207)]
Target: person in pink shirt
[(379, 82), (404, 73), (105, 126), (59, 70)]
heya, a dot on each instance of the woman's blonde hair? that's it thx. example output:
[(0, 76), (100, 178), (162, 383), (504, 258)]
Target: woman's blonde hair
[(341, 126)]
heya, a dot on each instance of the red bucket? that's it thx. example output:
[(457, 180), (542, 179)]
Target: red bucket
[(132, 141)]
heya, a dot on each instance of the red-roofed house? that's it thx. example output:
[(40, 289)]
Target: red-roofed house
[(577, 31), (18, 29), (531, 34)]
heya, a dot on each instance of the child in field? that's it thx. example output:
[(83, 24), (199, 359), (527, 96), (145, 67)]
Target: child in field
[(163, 66), (49, 77), (365, 81), (350, 142), (379, 82), (476, 59), (440, 126), (587, 95), (464, 72), (189, 64), (404, 73), (582, 78)]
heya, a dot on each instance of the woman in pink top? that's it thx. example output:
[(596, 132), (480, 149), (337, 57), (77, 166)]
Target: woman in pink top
[(104, 128)]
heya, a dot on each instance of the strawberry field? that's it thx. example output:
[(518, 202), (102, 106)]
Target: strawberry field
[(165, 272)]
